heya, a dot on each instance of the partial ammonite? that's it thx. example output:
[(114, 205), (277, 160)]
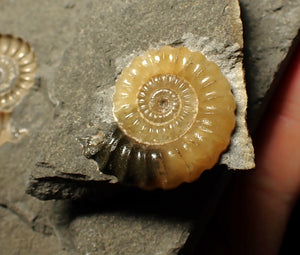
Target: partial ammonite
[(174, 114), (6, 129), (17, 71)]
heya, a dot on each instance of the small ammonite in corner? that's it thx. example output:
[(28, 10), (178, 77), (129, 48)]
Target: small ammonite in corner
[(17, 71), (17, 75), (174, 115)]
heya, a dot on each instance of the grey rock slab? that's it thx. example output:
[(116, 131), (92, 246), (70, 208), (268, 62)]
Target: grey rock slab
[(270, 26), (60, 109), (114, 33), (107, 40)]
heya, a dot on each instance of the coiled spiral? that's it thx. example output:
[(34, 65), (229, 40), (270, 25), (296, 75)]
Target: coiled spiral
[(17, 71), (174, 114)]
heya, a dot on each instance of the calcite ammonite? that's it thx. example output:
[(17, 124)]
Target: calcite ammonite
[(17, 71), (174, 114)]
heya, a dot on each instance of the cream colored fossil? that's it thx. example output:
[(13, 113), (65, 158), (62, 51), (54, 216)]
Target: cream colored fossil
[(17, 71), (174, 114), (17, 74)]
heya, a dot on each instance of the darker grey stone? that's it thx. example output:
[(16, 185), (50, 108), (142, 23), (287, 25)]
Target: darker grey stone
[(269, 30)]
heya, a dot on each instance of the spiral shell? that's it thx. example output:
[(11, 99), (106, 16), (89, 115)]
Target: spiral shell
[(17, 71), (174, 114)]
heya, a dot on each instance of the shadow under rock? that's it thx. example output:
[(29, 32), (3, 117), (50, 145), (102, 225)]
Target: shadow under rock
[(193, 203), (187, 201)]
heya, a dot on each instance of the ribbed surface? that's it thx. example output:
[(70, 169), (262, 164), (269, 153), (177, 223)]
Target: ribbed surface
[(131, 162), (17, 70), (176, 112)]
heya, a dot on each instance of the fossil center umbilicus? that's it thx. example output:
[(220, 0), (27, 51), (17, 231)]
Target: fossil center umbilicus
[(167, 105)]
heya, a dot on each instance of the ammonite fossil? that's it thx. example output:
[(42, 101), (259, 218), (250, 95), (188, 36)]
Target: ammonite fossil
[(17, 71), (174, 114)]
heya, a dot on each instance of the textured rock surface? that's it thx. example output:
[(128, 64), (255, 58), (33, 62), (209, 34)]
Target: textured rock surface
[(25, 227), (17, 238), (51, 27), (141, 234)]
